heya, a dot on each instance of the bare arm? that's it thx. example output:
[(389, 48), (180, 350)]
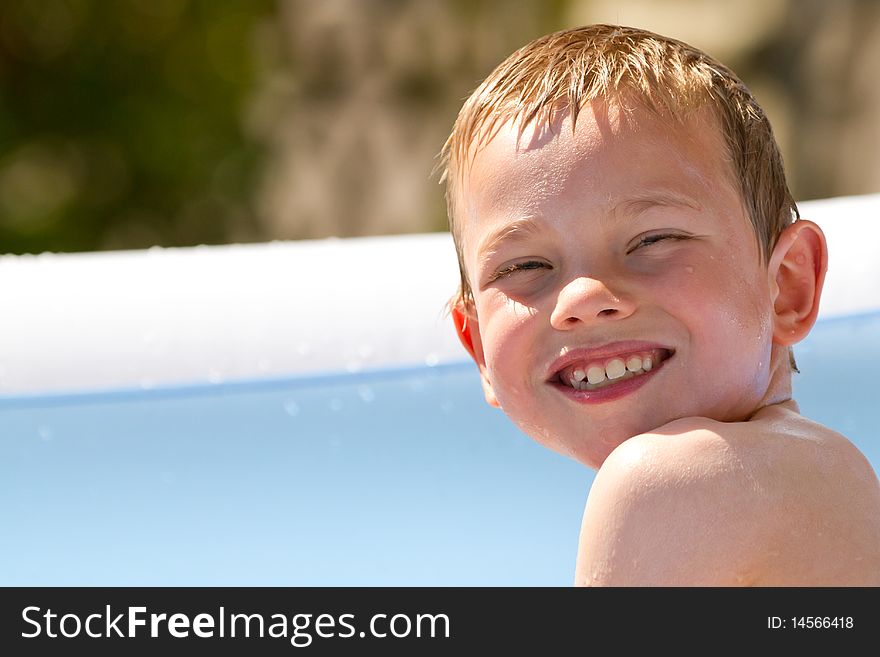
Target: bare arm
[(670, 511), (701, 503)]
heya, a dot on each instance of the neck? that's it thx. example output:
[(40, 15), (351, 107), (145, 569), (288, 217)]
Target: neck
[(779, 389)]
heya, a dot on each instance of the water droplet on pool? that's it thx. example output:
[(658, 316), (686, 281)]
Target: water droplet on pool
[(432, 359), (366, 393), (335, 404), (291, 408)]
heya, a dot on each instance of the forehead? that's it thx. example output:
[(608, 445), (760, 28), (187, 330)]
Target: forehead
[(608, 157)]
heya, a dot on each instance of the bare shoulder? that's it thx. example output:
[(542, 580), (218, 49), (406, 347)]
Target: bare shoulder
[(775, 501)]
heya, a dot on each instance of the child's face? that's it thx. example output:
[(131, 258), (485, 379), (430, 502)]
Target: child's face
[(581, 278)]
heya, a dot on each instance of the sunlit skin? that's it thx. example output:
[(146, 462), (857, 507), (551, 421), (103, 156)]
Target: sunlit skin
[(588, 205), (635, 230)]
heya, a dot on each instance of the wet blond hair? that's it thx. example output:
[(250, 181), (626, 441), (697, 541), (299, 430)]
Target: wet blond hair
[(564, 71)]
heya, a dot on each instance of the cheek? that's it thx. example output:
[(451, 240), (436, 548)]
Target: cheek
[(721, 305), (507, 334), (731, 318)]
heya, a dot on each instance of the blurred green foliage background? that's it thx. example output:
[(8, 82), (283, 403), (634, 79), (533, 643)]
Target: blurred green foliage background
[(135, 123), (120, 122)]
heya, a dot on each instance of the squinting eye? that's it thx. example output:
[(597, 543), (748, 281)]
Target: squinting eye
[(651, 239), (520, 266)]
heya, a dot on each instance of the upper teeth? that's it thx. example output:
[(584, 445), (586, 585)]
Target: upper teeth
[(596, 374), (586, 378)]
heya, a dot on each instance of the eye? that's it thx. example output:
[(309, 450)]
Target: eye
[(647, 240), (520, 266)]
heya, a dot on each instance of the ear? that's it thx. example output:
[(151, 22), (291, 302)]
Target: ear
[(797, 267), (468, 329)]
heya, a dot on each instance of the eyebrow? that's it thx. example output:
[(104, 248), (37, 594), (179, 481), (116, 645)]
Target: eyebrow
[(638, 203), (522, 229), (518, 231)]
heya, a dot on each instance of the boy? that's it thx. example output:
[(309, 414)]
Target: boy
[(631, 283)]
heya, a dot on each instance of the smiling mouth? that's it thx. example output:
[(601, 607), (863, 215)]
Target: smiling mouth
[(598, 374)]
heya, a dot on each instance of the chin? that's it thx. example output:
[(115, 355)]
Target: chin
[(589, 450), (591, 442), (594, 447), (592, 456)]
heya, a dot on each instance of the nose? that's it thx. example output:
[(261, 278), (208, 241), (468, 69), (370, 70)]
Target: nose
[(586, 300)]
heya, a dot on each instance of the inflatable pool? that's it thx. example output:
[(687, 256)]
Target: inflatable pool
[(302, 414)]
